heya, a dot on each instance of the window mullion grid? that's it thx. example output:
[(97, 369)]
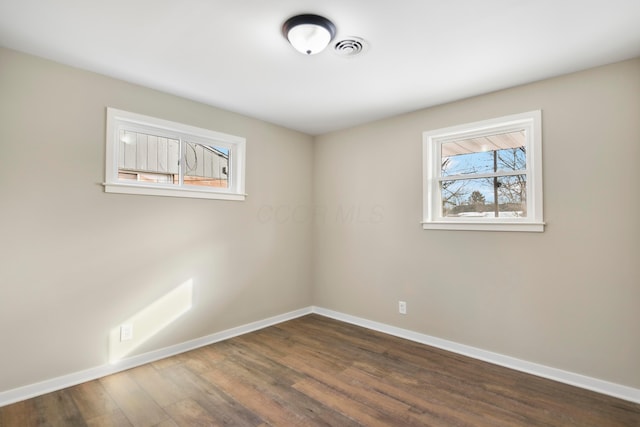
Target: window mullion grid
[(483, 175), (230, 159), (181, 161)]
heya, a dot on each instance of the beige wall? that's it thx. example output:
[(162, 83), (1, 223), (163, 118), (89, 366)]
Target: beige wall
[(335, 223), (75, 261), (566, 298)]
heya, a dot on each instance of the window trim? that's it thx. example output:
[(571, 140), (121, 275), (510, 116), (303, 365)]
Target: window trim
[(431, 148), (137, 122)]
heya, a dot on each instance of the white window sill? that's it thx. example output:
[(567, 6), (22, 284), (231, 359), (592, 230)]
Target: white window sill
[(194, 193), (537, 227)]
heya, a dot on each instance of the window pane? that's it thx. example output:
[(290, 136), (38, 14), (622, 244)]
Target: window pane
[(206, 165), (148, 158), (476, 197), (491, 153)]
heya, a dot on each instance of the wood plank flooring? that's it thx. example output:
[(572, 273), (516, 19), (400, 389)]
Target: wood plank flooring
[(315, 371)]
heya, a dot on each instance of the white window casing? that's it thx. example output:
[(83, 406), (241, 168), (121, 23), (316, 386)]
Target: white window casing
[(464, 216), (151, 156)]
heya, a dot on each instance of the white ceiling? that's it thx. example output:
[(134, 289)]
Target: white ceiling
[(231, 54)]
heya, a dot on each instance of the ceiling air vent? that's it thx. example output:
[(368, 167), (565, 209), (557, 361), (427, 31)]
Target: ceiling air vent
[(350, 46)]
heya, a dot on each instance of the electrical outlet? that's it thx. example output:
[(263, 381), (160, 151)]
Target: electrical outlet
[(402, 307), (126, 332)]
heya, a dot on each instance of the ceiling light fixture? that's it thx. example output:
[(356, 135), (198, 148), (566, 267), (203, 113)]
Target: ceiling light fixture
[(309, 34)]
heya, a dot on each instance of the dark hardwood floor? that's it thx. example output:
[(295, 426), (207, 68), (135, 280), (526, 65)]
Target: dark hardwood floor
[(314, 371)]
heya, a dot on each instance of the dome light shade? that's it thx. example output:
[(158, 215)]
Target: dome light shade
[(309, 34)]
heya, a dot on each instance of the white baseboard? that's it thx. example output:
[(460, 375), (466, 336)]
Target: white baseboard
[(38, 389), (600, 386), (578, 380)]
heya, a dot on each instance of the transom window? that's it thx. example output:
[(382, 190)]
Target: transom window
[(151, 156), (485, 175)]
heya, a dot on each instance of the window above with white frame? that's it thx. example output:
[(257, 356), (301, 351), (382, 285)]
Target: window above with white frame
[(485, 175), (150, 156)]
